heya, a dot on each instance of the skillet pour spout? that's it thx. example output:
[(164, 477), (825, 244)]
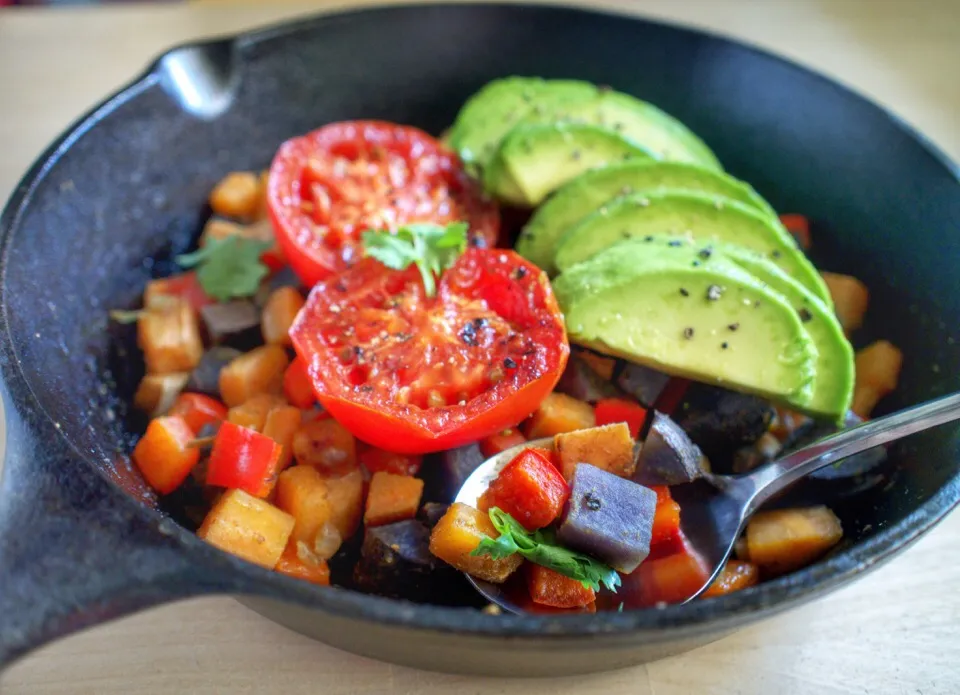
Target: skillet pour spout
[(129, 181)]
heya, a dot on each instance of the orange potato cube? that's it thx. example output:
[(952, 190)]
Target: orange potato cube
[(169, 337), (850, 299), (609, 447), (458, 533), (248, 527), (733, 577), (157, 393), (559, 413), (550, 588), (253, 412), (345, 495), (238, 194), (163, 454), (282, 307), (293, 565), (877, 371), (392, 498), (784, 540), (314, 501), (281, 424), (326, 445), (259, 371)]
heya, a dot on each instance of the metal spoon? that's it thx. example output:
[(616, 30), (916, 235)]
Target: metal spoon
[(715, 509)]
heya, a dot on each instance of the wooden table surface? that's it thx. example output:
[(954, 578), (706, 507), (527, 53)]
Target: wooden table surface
[(896, 631)]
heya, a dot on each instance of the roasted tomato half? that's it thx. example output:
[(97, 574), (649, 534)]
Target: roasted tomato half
[(413, 374), (327, 187)]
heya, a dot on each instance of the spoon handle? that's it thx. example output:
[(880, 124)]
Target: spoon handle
[(768, 480)]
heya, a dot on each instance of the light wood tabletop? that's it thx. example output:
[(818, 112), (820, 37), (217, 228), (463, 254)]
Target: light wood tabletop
[(895, 631)]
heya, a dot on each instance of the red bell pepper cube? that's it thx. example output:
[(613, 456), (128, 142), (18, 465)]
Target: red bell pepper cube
[(550, 588), (379, 461), (670, 579), (530, 489), (297, 386), (799, 227), (198, 410), (164, 455), (666, 518), (244, 459), (501, 441), (612, 410)]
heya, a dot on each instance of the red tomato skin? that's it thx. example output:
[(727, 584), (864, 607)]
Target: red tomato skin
[(243, 459), (374, 416), (436, 190), (198, 410), (530, 489), (613, 410)]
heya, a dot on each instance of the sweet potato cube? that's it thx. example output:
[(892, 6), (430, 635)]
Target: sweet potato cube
[(237, 194), (259, 371), (248, 527), (163, 454), (550, 588), (458, 533), (530, 489), (307, 568), (170, 338), (784, 540), (392, 498), (850, 299), (878, 371), (253, 412), (609, 447), (559, 413), (282, 307), (281, 424), (326, 445), (345, 495), (734, 576), (302, 493)]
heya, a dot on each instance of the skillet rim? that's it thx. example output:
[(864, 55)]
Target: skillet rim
[(658, 624)]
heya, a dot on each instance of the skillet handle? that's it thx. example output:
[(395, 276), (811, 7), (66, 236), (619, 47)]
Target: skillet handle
[(74, 551)]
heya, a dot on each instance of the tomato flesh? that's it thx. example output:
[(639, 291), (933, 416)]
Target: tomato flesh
[(413, 374), (327, 187)]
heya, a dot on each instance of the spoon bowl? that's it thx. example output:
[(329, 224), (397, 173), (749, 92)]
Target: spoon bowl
[(716, 508)]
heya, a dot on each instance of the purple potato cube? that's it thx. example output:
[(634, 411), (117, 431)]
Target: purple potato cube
[(581, 382), (642, 383), (668, 456), (608, 518)]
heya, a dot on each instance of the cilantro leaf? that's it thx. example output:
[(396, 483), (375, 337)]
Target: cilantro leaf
[(540, 548), (228, 267), (431, 247)]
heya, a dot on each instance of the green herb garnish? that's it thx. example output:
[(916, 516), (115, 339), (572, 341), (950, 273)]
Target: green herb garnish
[(228, 267), (431, 247), (540, 548)]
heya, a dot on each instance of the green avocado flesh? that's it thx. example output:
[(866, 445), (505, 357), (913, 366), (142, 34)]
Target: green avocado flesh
[(535, 160), (592, 189), (694, 215), (833, 384), (715, 323), (492, 112)]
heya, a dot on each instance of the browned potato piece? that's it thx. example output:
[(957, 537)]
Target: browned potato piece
[(458, 533), (237, 194), (878, 371), (559, 413), (784, 540), (248, 527), (281, 309), (258, 371), (850, 299), (609, 447), (314, 501), (157, 392), (169, 336), (253, 412)]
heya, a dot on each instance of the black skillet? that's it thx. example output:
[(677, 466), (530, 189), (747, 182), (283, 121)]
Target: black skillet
[(81, 541)]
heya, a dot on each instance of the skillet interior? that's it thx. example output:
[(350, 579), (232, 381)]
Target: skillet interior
[(132, 183)]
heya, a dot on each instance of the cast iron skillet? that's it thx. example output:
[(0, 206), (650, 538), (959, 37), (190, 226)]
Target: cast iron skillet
[(81, 541)]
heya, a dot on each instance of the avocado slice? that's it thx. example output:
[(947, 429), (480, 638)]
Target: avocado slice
[(592, 189), (697, 215), (833, 385), (535, 160), (491, 113), (659, 310)]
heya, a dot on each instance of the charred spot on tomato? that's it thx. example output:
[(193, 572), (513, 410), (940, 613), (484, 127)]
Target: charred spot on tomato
[(509, 363)]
